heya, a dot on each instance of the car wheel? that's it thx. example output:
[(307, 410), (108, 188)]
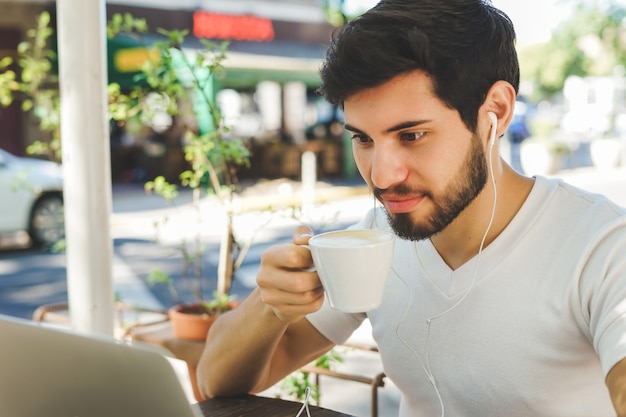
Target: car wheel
[(47, 223)]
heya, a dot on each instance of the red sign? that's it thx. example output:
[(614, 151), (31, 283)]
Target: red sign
[(237, 27)]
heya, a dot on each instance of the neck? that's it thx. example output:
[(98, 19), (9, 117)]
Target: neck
[(461, 240)]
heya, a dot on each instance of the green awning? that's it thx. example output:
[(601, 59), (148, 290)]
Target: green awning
[(126, 55)]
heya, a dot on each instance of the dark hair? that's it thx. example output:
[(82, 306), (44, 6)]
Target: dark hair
[(463, 45)]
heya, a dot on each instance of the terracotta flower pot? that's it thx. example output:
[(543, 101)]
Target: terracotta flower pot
[(191, 321)]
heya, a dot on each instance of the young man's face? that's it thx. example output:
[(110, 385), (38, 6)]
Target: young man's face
[(418, 157)]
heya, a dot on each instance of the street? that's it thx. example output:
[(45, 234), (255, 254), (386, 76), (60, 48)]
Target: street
[(147, 233)]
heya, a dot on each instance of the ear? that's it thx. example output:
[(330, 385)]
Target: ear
[(500, 100)]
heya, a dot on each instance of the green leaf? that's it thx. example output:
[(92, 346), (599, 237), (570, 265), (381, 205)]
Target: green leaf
[(44, 19), (156, 277), (27, 105), (162, 187)]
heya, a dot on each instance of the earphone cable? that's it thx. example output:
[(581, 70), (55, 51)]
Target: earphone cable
[(426, 365)]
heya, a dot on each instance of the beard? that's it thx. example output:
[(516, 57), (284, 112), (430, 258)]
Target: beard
[(458, 194)]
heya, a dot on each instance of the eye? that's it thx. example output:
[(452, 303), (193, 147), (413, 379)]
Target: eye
[(360, 138), (411, 136)]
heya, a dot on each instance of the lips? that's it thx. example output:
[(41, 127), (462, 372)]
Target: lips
[(401, 204)]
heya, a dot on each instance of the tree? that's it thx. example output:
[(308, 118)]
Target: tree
[(173, 83), (177, 82), (591, 42), (35, 86)]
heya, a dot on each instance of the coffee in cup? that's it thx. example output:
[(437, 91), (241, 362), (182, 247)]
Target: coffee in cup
[(353, 266)]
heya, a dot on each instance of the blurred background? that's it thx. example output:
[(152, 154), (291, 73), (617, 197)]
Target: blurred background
[(572, 55)]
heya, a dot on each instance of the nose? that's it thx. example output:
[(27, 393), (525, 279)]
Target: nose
[(388, 166)]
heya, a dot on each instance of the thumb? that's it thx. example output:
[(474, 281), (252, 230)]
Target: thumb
[(302, 234)]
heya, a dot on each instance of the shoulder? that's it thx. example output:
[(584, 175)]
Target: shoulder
[(571, 201)]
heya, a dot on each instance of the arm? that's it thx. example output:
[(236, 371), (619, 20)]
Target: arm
[(267, 337), (616, 382)]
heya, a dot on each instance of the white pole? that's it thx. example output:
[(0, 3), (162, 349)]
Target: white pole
[(309, 179), (86, 163)]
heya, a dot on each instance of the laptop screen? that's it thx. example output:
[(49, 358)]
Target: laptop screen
[(57, 373)]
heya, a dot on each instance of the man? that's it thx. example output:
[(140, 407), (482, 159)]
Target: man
[(507, 296)]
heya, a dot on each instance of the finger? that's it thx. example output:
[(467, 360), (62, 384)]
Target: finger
[(293, 307), (294, 312), (282, 296), (292, 280), (286, 256), (302, 234)]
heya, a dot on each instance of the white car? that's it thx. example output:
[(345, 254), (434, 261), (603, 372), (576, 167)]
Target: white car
[(31, 198)]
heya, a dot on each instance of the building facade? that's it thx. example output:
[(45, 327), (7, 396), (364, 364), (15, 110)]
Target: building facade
[(267, 92)]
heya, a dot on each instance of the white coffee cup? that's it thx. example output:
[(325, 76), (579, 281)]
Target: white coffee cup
[(353, 266)]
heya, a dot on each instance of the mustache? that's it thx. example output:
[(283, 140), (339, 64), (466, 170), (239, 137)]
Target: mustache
[(399, 190)]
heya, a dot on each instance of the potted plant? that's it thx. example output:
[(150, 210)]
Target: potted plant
[(170, 87), (175, 87), (192, 320)]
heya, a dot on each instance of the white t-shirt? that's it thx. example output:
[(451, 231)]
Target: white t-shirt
[(540, 324)]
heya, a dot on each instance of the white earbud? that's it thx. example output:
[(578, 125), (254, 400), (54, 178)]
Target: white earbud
[(494, 127)]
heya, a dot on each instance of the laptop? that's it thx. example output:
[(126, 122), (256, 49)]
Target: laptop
[(54, 372)]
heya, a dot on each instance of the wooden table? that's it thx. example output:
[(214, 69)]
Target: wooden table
[(250, 405)]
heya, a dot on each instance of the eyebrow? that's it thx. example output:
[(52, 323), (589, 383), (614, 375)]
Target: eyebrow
[(394, 128)]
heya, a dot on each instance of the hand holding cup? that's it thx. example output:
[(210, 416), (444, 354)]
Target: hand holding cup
[(353, 266)]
